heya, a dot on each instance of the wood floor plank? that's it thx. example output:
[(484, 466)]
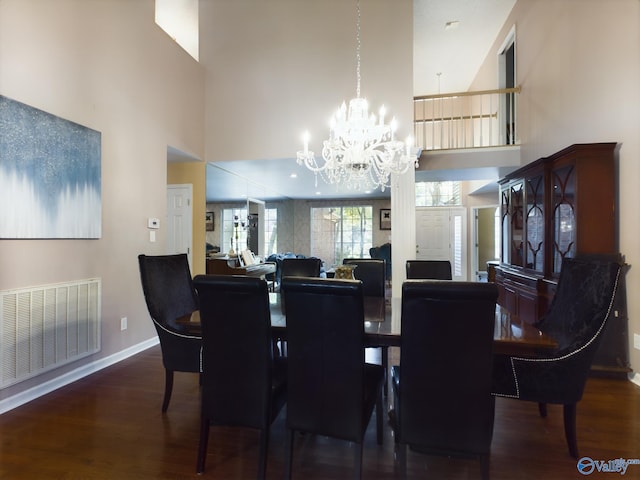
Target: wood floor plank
[(109, 426)]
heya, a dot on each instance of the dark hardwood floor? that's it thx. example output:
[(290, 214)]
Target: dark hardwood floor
[(109, 426)]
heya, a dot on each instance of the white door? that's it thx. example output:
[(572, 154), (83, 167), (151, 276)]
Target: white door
[(432, 234), (179, 219), (441, 234)]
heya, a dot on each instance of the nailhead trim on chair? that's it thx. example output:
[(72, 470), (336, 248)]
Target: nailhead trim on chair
[(568, 355)]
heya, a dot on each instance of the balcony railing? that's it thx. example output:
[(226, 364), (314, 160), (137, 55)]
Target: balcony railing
[(466, 120)]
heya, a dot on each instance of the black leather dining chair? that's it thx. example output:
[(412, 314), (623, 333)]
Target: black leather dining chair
[(242, 383), (442, 387), (576, 319), (373, 274), (331, 390), (429, 269), (169, 294), (298, 267)]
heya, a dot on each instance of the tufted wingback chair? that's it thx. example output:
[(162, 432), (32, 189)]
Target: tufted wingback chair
[(169, 293), (576, 319)]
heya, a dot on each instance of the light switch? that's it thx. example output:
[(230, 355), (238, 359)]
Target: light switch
[(152, 235)]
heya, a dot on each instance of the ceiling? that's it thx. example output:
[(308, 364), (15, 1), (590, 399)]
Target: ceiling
[(445, 60)]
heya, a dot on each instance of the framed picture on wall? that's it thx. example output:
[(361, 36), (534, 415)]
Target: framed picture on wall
[(385, 219), (208, 221)]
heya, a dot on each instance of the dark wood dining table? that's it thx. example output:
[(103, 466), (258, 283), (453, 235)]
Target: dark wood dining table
[(382, 326)]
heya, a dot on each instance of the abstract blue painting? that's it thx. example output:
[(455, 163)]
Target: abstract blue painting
[(50, 175)]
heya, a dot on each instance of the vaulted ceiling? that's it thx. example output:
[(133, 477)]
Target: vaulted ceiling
[(451, 40)]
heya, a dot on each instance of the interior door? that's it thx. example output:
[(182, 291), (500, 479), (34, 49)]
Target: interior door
[(432, 234), (179, 220), (441, 234)]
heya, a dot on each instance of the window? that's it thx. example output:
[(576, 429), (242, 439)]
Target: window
[(270, 231), (234, 233), (231, 231), (438, 194), (341, 232), (180, 21)]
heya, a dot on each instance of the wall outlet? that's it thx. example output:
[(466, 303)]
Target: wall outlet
[(636, 341), (123, 323)]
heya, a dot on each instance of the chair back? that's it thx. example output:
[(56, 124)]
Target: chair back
[(325, 342), (576, 319), (372, 272), (383, 252), (297, 267), (582, 302), (168, 287), (300, 267), (445, 401), (429, 269), (237, 350)]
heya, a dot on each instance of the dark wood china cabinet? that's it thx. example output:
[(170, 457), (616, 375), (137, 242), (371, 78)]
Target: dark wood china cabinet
[(556, 207)]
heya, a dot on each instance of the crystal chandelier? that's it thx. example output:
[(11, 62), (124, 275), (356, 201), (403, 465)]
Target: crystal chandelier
[(362, 151)]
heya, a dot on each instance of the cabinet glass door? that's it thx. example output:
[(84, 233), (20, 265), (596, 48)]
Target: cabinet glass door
[(512, 225), (535, 223), (564, 219)]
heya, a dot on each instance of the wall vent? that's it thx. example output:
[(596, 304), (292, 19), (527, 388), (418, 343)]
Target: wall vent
[(45, 327)]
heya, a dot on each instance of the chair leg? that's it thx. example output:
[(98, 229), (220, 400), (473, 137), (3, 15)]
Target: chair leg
[(484, 466), (570, 429), (288, 464), (400, 451), (357, 460), (385, 364), (379, 418), (168, 387), (542, 408), (202, 446), (264, 446)]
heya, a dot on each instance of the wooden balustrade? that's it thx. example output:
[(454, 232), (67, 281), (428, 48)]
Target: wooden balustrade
[(466, 119)]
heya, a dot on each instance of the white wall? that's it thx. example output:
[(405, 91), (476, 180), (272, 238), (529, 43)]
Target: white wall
[(283, 66), (578, 63), (105, 65)]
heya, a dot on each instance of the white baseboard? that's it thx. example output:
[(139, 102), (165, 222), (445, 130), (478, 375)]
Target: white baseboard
[(634, 377), (70, 377)]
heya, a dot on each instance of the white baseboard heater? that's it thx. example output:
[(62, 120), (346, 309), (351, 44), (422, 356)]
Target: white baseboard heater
[(45, 327)]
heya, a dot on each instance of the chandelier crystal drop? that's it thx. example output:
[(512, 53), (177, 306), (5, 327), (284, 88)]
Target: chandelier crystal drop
[(362, 151)]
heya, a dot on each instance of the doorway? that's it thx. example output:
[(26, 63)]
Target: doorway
[(486, 239), (180, 220), (507, 79), (441, 234)]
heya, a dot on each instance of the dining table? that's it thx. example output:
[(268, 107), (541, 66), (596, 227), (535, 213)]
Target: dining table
[(383, 321)]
